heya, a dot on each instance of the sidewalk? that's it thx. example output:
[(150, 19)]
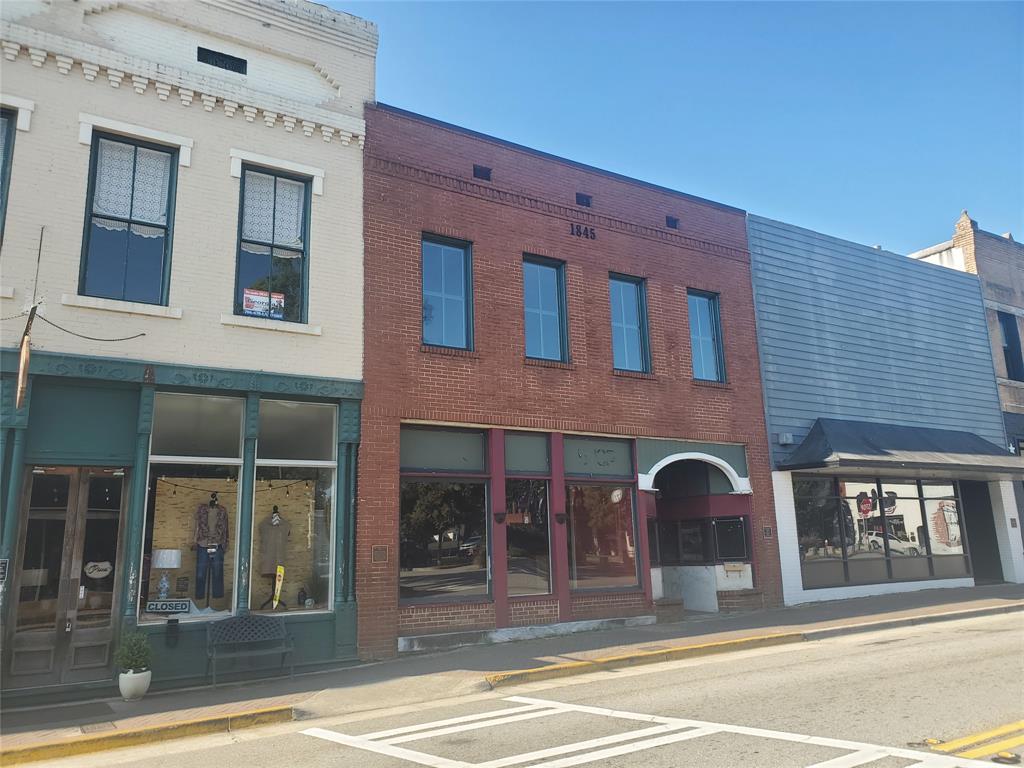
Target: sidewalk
[(426, 677)]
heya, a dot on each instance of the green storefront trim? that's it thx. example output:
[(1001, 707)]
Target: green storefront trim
[(729, 457), (125, 391)]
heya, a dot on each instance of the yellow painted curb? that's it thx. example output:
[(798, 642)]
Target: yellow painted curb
[(81, 745), (520, 676)]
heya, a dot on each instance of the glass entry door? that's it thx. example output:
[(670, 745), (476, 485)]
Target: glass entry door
[(67, 572)]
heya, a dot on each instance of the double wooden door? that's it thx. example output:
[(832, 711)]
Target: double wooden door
[(67, 577)]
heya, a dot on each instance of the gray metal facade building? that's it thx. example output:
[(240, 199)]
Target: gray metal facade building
[(855, 333)]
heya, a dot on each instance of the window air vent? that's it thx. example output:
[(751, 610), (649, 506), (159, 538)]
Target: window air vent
[(481, 172), (222, 60), (584, 200), (672, 222)]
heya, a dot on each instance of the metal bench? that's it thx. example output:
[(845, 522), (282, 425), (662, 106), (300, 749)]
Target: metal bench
[(247, 636)]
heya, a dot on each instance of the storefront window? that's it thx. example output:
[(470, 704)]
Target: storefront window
[(819, 525), (188, 564), (945, 531), (877, 530), (292, 512), (443, 530), (190, 540), (526, 527), (702, 542), (600, 536)]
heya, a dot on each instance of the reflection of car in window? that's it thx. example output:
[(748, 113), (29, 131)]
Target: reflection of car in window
[(469, 547), (897, 545)]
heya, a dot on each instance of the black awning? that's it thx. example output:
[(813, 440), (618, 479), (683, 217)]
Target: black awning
[(838, 444)]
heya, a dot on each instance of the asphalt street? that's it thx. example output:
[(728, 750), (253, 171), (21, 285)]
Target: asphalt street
[(866, 699)]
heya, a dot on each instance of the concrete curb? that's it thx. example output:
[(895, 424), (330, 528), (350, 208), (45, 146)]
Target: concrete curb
[(553, 671), (81, 745)]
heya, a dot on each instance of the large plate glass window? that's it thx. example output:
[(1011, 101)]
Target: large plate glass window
[(544, 308), (273, 246), (127, 243), (706, 336), (629, 323), (8, 119), (443, 505), (447, 293), (190, 539), (293, 507), (527, 488)]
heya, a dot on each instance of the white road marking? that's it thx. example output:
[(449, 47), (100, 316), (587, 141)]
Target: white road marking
[(580, 746), (626, 749), (472, 726), (421, 758), (454, 721), (672, 730)]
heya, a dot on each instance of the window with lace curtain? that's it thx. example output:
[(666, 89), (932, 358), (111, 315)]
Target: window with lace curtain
[(272, 246), (127, 244)]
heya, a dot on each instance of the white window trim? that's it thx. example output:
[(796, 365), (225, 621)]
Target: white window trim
[(113, 305), (25, 109), (87, 122), (238, 156), (266, 324), (6, 292)]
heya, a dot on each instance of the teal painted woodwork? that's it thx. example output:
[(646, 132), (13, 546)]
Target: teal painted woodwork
[(251, 431), (183, 376), (650, 452), (136, 515), (598, 457), (76, 422)]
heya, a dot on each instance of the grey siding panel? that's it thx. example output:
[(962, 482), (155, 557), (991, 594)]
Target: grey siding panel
[(846, 331)]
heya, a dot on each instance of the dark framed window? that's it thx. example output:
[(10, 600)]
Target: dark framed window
[(273, 245), (701, 541), (706, 336), (544, 309), (8, 121), (630, 346), (872, 530), (1012, 353), (126, 250), (447, 293), (443, 514)]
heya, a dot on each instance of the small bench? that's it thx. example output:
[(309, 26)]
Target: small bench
[(247, 636)]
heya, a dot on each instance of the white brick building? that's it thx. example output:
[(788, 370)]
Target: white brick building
[(182, 195)]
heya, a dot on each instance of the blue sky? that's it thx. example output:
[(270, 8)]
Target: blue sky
[(876, 122)]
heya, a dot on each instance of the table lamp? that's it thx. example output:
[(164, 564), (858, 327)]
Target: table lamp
[(165, 560)]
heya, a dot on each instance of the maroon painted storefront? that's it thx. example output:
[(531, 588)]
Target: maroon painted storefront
[(449, 416)]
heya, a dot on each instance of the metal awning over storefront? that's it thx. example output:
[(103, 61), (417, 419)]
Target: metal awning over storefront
[(838, 444)]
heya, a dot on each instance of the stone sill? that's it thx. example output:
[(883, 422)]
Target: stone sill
[(126, 307), (1009, 382), (266, 324), (6, 293)]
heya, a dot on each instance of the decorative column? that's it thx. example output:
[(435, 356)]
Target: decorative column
[(559, 535), (247, 485), (135, 520), (17, 421), (344, 528), (646, 510), (499, 543)]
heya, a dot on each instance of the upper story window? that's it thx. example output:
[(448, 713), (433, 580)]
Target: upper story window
[(629, 324), (273, 246), (447, 293), (1011, 346), (706, 336), (127, 243), (544, 308), (8, 118)]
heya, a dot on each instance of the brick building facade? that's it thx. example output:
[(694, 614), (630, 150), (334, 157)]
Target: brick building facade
[(669, 451)]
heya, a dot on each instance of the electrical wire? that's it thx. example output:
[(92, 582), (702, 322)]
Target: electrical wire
[(83, 336), (13, 317)]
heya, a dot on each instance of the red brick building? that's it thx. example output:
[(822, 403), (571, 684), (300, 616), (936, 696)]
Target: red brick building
[(563, 417)]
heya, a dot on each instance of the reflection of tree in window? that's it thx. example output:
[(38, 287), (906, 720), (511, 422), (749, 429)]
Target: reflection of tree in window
[(432, 510)]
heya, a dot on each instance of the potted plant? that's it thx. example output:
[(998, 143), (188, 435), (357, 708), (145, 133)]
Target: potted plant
[(133, 657)]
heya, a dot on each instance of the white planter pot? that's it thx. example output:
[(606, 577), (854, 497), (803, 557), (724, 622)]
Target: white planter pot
[(134, 685)]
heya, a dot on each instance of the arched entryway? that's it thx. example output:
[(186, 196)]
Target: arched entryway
[(699, 535)]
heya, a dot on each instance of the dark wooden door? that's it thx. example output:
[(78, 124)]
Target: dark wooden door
[(65, 588)]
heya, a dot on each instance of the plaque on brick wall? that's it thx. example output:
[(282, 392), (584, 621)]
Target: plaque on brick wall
[(379, 553), (767, 531)]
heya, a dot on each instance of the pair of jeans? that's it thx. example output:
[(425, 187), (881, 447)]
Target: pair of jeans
[(214, 563)]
